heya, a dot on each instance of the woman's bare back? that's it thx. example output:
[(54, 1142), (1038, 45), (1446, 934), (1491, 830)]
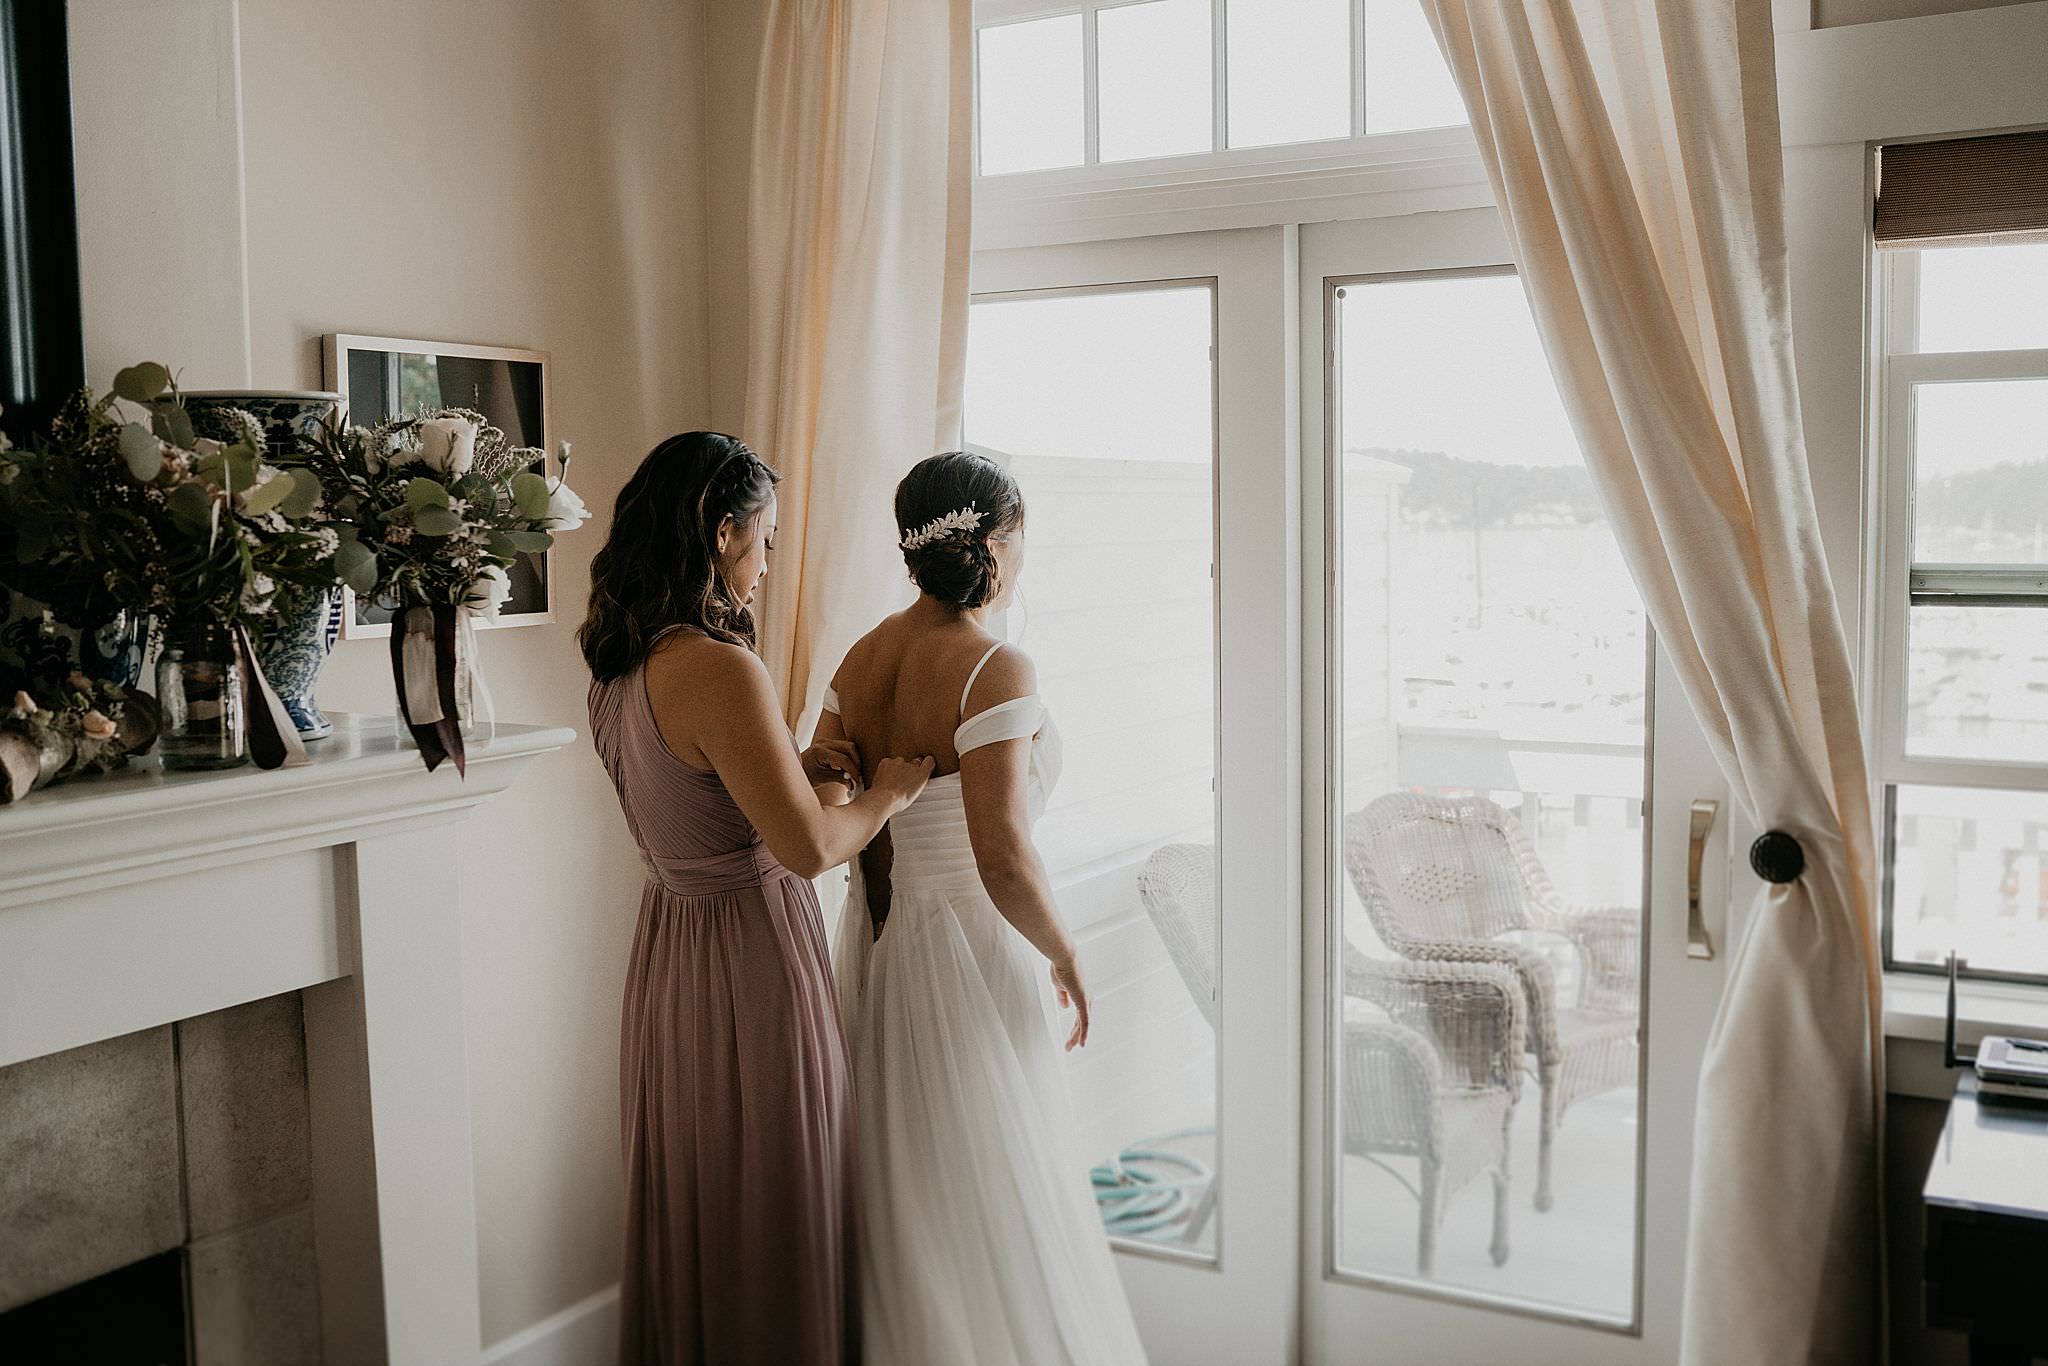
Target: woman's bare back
[(900, 687)]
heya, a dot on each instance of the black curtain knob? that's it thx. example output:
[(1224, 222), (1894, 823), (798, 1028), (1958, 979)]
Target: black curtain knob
[(1777, 857)]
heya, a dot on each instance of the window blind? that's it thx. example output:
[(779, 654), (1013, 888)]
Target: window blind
[(1965, 190)]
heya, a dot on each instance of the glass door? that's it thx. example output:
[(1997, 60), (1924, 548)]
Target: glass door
[(1141, 393), (1506, 1011)]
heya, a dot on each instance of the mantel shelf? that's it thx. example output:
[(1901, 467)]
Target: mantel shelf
[(142, 820)]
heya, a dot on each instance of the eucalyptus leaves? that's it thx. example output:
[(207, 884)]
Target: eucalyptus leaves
[(122, 507), (431, 510)]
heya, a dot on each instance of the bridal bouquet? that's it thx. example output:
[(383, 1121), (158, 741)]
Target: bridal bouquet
[(430, 511), (121, 508)]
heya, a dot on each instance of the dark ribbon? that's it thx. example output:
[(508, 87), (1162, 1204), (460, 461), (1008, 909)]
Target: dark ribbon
[(439, 739), (273, 735)]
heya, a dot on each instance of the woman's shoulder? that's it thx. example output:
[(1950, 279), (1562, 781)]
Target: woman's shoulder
[(686, 663), (1006, 673)]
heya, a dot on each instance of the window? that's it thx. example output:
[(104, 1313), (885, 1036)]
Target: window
[(1961, 620), (1491, 764), (1102, 403), (1106, 83)]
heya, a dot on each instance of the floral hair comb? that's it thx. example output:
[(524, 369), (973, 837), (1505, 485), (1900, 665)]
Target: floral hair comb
[(960, 519)]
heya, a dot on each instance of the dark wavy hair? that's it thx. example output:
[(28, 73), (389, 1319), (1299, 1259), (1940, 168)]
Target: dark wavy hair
[(957, 568), (659, 566)]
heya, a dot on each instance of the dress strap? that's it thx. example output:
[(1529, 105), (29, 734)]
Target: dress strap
[(1020, 718), (991, 654)]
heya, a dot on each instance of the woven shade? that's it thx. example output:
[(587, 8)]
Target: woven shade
[(1966, 190)]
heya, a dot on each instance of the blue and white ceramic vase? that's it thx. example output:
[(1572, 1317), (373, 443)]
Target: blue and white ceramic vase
[(36, 649), (288, 415), (294, 648), (296, 645)]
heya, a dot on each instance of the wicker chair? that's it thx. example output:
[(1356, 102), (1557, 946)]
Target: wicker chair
[(1436, 1078), (1440, 877), (1178, 888)]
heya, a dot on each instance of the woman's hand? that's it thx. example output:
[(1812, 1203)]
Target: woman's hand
[(833, 761), (902, 779), (1066, 979)]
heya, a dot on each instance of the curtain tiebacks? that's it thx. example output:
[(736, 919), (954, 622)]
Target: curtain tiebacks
[(1777, 857)]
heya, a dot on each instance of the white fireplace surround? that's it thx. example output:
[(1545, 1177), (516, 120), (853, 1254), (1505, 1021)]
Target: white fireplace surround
[(146, 897)]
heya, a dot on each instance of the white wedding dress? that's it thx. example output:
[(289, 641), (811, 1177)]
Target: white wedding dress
[(982, 1245)]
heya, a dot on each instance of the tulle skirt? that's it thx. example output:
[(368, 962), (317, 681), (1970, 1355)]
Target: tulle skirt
[(982, 1245)]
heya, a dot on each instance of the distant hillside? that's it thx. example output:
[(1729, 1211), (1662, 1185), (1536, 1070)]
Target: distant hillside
[(1444, 490)]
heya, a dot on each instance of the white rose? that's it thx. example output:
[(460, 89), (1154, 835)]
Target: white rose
[(488, 591), (566, 511), (447, 445)]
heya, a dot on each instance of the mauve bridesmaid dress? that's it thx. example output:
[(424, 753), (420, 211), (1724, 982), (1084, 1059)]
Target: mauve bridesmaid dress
[(737, 1106)]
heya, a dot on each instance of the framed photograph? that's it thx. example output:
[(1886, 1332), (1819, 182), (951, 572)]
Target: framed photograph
[(383, 377)]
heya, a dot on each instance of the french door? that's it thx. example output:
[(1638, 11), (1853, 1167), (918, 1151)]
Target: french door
[(1378, 826)]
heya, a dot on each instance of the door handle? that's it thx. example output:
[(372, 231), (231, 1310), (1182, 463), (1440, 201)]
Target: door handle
[(1697, 942)]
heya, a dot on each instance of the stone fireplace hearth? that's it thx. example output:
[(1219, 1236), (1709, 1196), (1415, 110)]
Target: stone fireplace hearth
[(189, 1138)]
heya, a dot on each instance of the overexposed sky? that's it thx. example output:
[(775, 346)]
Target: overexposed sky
[(1116, 374), (1451, 365)]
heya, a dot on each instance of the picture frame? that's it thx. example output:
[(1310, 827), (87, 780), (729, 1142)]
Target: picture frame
[(380, 377)]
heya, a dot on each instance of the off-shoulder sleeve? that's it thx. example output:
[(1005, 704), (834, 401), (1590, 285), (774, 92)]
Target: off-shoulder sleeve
[(1017, 719), (832, 700)]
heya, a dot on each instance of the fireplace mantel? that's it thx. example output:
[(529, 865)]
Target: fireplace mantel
[(145, 897)]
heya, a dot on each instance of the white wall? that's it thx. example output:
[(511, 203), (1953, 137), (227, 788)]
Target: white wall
[(521, 172)]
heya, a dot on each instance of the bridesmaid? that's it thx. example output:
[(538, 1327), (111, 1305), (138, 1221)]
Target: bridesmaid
[(737, 1106)]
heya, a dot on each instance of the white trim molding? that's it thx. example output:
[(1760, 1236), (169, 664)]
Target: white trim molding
[(584, 1334), (1368, 177)]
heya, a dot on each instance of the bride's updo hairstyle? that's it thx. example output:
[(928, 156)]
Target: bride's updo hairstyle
[(659, 567), (948, 555)]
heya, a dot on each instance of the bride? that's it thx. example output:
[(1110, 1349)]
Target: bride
[(982, 1243)]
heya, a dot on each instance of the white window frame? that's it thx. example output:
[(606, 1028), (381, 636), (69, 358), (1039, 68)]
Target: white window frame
[(1896, 580), (1364, 175)]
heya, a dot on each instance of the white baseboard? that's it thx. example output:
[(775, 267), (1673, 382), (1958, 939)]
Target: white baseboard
[(584, 1334)]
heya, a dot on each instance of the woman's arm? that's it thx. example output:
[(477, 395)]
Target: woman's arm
[(995, 787), (740, 731), (830, 742)]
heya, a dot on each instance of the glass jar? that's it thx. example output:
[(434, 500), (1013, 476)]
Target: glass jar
[(474, 714), (199, 686)]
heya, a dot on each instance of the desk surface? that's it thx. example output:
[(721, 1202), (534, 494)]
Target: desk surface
[(1992, 1158)]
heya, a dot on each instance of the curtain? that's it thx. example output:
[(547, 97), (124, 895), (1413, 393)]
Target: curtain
[(1634, 152), (857, 302)]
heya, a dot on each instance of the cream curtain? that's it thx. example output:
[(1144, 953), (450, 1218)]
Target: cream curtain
[(857, 301), (1634, 152)]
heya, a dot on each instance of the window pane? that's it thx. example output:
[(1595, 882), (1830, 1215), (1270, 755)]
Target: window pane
[(1493, 694), (1155, 72), (1289, 71), (1029, 85), (1977, 683), (1407, 84), (1102, 404), (1971, 874), (1980, 472), (1984, 298)]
